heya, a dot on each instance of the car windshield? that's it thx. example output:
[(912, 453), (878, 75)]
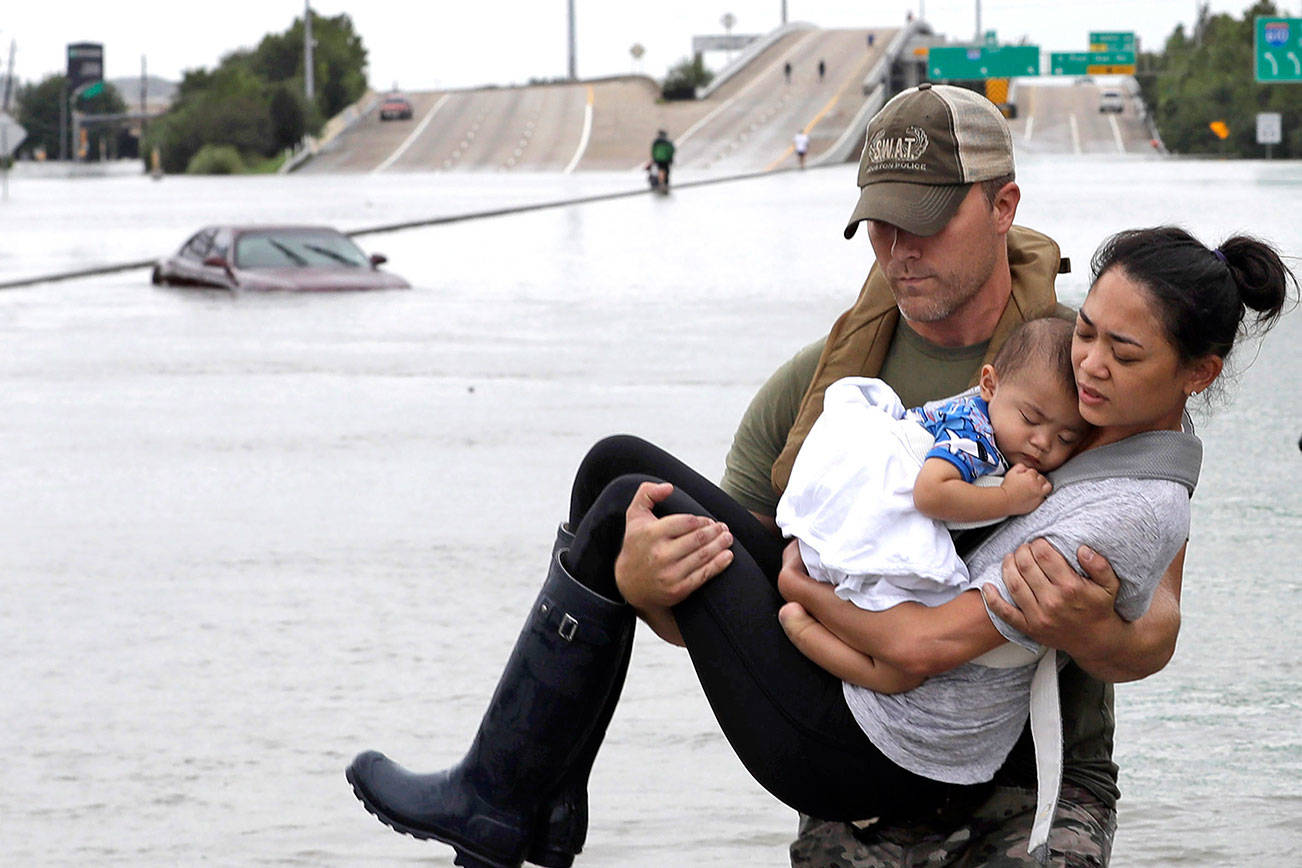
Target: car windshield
[(297, 250)]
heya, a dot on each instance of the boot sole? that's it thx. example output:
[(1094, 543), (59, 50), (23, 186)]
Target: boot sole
[(465, 856)]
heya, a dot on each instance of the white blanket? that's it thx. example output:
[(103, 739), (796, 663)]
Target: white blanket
[(850, 503)]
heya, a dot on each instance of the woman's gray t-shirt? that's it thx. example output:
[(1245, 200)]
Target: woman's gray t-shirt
[(960, 725)]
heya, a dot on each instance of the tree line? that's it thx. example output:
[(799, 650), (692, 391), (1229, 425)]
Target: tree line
[(1206, 77), (243, 113), (252, 106)]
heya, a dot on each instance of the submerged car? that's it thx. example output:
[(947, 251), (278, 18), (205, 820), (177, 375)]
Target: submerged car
[(270, 258), (395, 107)]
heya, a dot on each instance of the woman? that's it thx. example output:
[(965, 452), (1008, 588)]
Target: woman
[(1162, 315)]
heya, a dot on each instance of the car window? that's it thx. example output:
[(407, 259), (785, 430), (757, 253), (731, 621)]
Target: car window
[(221, 244), (198, 246), (297, 250)]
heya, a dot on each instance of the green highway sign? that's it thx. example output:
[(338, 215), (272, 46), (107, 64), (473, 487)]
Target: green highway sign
[(1112, 40), (972, 61), (93, 89), (1092, 63), (1277, 46)]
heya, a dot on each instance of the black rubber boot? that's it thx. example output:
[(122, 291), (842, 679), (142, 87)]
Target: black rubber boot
[(562, 825), (552, 694), (563, 822)]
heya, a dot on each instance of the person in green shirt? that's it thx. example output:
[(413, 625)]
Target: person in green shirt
[(662, 157)]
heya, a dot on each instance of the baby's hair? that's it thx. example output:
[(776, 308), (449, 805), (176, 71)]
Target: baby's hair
[(1045, 340)]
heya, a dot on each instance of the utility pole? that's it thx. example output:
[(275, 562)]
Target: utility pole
[(9, 76), (784, 11), (4, 127), (979, 35), (572, 50), (309, 86), (144, 101)]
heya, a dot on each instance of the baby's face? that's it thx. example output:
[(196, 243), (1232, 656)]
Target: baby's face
[(1037, 421)]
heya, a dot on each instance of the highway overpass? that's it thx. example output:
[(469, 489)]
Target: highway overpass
[(744, 122)]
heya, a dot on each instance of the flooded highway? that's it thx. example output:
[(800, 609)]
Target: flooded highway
[(245, 537)]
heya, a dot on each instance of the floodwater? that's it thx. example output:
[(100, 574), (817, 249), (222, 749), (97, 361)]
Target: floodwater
[(246, 537)]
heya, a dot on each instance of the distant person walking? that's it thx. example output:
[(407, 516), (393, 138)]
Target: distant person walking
[(786, 71), (822, 69), (801, 144), (871, 38)]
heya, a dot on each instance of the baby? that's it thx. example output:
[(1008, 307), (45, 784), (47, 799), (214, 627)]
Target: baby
[(875, 488)]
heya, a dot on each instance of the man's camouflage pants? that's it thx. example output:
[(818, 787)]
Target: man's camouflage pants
[(994, 836)]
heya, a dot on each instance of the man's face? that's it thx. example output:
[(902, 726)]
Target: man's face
[(934, 276)]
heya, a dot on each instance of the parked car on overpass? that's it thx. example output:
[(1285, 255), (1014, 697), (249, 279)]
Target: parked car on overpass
[(395, 107), (270, 258)]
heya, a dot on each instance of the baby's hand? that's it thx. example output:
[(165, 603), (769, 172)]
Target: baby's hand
[(1026, 489)]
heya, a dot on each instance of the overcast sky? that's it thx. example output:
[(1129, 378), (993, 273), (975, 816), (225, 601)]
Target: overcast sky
[(436, 43)]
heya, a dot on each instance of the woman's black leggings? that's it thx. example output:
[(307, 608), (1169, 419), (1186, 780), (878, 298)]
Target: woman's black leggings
[(785, 716)]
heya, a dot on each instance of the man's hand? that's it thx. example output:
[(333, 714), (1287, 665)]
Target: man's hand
[(663, 560), (1055, 605), (1026, 488)]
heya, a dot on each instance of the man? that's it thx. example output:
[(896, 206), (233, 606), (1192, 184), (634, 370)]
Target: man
[(952, 278)]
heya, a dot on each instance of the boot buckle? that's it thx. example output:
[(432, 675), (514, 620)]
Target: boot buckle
[(569, 625)]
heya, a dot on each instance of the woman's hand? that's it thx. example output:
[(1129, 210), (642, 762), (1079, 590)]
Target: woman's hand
[(1055, 605), (663, 560)]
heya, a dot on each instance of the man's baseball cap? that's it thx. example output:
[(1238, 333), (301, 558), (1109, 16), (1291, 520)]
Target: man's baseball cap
[(923, 150)]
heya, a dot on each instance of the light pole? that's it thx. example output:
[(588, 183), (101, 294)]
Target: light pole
[(572, 50), (309, 84)]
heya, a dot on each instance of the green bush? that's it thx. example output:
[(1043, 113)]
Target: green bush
[(216, 160), (685, 77)]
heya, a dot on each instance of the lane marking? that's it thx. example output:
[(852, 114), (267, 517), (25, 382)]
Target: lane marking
[(1116, 133), (587, 133), (415, 134)]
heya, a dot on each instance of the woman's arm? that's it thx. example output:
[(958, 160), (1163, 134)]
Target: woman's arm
[(1058, 607), (920, 641)]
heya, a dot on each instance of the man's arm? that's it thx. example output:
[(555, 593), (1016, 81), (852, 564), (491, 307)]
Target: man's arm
[(663, 560), (659, 554), (919, 640), (1058, 607)]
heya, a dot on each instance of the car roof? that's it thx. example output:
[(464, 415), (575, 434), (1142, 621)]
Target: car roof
[(239, 228)]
